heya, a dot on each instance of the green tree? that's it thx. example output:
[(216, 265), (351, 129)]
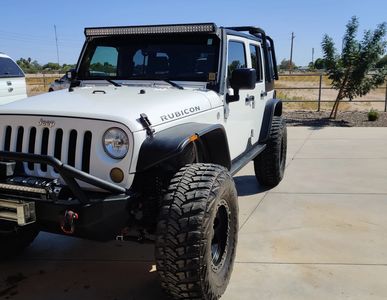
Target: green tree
[(285, 63), (349, 71), (52, 66), (29, 66), (66, 67), (319, 64), (382, 63)]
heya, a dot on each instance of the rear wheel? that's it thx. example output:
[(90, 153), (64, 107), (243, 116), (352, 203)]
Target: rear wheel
[(269, 166), (197, 233), (14, 239)]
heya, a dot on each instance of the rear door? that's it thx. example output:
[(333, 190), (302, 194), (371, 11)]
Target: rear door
[(259, 96), (12, 81)]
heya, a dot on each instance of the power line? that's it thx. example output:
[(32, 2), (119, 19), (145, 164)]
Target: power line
[(36, 37)]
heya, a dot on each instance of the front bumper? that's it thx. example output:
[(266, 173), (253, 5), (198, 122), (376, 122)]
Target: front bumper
[(101, 214)]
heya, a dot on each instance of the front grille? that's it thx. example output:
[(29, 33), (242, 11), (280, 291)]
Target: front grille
[(71, 147)]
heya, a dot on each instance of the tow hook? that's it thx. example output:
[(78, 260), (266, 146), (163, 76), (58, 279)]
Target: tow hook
[(67, 225)]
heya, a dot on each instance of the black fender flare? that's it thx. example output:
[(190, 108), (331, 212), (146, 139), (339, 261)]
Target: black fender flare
[(168, 144), (273, 108)]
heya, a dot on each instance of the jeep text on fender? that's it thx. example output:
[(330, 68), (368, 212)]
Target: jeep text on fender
[(143, 145)]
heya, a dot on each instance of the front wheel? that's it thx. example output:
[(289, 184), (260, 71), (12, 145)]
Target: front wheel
[(197, 233)]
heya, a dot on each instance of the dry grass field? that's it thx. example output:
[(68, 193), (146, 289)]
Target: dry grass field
[(309, 92), (39, 83)]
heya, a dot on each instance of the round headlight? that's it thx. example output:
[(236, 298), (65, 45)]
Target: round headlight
[(116, 143)]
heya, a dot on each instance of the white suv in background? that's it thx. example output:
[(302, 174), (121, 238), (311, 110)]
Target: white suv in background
[(12, 81)]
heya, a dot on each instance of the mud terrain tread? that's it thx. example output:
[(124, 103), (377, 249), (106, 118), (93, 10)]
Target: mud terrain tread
[(267, 166), (186, 211)]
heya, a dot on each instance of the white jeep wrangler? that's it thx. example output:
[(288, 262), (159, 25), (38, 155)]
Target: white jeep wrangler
[(143, 146)]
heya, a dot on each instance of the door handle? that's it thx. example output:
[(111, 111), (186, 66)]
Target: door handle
[(9, 83), (10, 90), (263, 94), (250, 98)]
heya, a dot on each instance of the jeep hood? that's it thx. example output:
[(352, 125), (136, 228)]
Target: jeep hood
[(121, 104)]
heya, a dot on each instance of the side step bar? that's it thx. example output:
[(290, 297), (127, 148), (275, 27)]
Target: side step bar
[(247, 156), (23, 213)]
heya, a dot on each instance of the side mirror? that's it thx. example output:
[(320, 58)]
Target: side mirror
[(241, 79), (71, 74)]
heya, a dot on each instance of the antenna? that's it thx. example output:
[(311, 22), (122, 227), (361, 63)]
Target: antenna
[(56, 41)]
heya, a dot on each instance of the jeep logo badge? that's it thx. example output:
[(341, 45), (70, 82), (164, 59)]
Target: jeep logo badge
[(46, 123)]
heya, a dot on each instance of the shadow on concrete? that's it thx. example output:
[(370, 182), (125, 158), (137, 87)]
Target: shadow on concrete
[(317, 123), (247, 185), (62, 268)]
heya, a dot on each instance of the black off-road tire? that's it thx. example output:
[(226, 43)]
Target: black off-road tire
[(269, 166), (197, 233), (14, 239)]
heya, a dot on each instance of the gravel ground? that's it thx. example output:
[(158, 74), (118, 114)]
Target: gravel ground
[(344, 119)]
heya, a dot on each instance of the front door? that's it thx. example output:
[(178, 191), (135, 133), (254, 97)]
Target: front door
[(239, 115)]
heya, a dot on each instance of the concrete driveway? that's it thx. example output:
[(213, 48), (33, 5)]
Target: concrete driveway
[(321, 234)]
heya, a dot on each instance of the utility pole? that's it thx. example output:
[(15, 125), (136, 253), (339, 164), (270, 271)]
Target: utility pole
[(291, 55), (312, 56), (56, 41)]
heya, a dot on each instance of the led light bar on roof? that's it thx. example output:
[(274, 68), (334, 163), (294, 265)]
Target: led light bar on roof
[(158, 29)]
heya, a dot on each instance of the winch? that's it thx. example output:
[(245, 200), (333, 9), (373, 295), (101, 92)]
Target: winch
[(21, 212)]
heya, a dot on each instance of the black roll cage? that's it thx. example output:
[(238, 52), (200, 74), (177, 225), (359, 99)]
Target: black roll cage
[(260, 33)]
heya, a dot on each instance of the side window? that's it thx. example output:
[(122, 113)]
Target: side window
[(256, 61), (271, 63), (104, 62), (9, 69), (236, 56)]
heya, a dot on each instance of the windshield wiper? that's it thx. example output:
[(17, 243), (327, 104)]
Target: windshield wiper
[(113, 82), (178, 86)]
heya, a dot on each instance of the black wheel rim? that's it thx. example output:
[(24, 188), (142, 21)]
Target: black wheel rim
[(219, 242)]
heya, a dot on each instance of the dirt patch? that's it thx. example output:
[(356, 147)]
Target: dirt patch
[(344, 119)]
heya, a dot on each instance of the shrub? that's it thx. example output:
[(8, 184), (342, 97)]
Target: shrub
[(373, 115)]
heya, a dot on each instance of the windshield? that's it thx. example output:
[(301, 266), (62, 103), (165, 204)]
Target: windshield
[(173, 57)]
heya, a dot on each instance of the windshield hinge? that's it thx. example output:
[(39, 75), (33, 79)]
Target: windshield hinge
[(146, 124)]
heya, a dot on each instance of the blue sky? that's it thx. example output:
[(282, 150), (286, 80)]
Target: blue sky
[(27, 27)]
